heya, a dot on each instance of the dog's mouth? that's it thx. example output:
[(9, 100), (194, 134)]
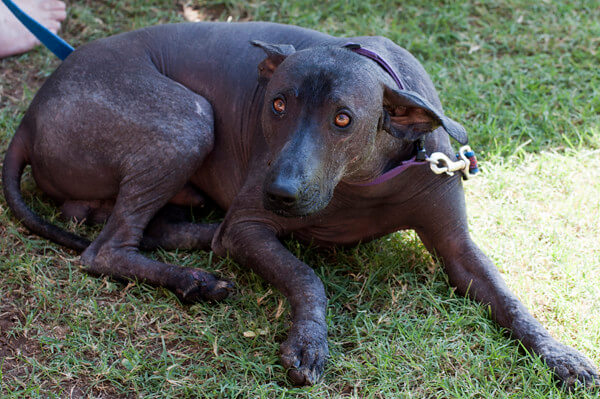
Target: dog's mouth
[(308, 204), (285, 212)]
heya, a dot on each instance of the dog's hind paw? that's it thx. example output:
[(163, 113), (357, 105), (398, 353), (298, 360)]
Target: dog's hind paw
[(305, 351), (570, 367), (202, 286)]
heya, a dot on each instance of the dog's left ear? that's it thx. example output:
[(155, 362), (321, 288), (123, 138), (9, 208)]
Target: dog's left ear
[(407, 115), (276, 53)]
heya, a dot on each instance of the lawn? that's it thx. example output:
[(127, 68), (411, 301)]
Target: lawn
[(523, 78)]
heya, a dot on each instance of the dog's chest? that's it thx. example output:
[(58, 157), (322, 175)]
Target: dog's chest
[(353, 217), (354, 224)]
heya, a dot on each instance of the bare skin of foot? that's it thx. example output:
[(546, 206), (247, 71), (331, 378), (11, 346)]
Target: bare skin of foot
[(14, 37)]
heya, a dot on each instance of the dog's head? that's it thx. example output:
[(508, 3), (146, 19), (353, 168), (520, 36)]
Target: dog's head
[(331, 115)]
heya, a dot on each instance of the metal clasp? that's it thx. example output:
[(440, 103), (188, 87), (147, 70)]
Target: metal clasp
[(440, 163)]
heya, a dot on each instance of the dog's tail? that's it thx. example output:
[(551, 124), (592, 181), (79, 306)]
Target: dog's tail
[(12, 170)]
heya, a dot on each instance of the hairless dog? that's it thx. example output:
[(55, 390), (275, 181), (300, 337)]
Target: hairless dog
[(282, 127)]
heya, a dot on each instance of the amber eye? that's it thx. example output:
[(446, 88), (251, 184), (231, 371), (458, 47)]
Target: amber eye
[(342, 120), (279, 105)]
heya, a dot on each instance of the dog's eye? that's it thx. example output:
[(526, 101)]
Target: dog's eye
[(279, 105), (342, 119)]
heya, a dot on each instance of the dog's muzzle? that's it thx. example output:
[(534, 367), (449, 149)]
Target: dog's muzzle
[(289, 199)]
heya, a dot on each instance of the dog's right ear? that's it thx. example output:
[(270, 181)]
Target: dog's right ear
[(276, 53), (407, 115)]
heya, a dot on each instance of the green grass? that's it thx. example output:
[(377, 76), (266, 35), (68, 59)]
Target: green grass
[(522, 76)]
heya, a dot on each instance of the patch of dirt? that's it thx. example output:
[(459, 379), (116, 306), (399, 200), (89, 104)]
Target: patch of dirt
[(14, 346), (15, 371), (16, 75)]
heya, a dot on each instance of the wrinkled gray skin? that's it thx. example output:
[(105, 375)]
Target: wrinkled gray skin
[(178, 113)]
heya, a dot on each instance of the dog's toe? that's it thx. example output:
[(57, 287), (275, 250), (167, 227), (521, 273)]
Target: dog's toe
[(205, 286), (570, 367), (304, 353)]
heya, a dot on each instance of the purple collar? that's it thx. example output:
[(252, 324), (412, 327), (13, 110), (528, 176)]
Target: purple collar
[(406, 164), (377, 58)]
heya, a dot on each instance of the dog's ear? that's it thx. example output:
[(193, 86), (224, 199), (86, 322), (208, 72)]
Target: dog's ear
[(276, 53), (407, 115)]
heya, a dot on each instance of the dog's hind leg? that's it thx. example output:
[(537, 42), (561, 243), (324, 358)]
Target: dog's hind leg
[(151, 176), (115, 251)]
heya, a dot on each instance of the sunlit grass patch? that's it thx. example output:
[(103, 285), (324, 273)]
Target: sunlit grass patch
[(539, 219)]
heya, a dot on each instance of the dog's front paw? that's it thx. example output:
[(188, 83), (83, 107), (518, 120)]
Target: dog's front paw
[(305, 351), (569, 365), (202, 285)]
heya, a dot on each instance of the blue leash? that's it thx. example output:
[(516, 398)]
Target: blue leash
[(54, 43)]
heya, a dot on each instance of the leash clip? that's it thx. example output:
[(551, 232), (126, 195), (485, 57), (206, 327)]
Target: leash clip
[(440, 163)]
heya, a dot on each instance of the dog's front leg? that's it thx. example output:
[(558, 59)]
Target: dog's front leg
[(445, 233), (256, 245)]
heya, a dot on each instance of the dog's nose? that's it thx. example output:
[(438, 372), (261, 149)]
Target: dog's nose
[(283, 193)]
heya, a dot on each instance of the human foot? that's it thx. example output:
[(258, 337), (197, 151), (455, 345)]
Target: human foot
[(14, 37)]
